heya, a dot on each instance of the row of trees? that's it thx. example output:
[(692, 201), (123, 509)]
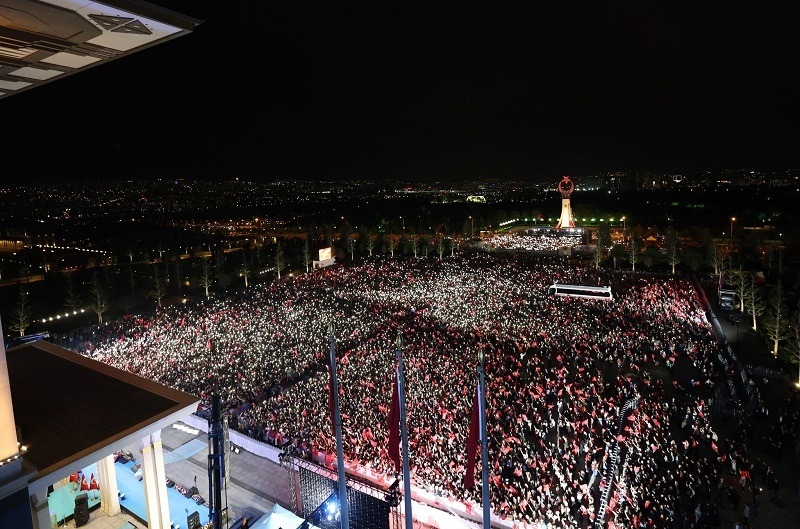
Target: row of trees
[(111, 287), (773, 310), (770, 301)]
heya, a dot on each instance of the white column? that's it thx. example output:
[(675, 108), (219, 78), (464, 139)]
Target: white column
[(40, 509), (107, 479), (161, 476), (10, 463), (155, 490)]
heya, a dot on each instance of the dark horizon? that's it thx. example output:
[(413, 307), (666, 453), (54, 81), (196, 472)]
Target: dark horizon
[(362, 92)]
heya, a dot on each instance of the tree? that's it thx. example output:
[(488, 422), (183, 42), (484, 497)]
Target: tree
[(792, 347), (99, 303), (597, 257), (738, 279), (246, 269), (280, 261), (618, 252), (72, 299), (206, 276), (752, 301), (671, 241), (391, 244), (158, 288), (351, 246), (347, 231), (717, 259), (651, 256), (440, 247), (307, 251), (371, 238), (633, 252), (776, 322), (21, 315), (415, 245)]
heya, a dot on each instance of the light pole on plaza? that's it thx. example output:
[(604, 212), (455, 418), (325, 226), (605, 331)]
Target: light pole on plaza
[(472, 226), (732, 220), (623, 227)]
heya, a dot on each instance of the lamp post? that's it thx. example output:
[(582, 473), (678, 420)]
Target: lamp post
[(487, 506), (472, 226), (732, 220), (337, 426), (623, 227), (403, 433), (404, 224)]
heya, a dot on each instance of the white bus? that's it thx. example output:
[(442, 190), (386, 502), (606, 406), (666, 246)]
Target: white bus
[(580, 291), (727, 299)]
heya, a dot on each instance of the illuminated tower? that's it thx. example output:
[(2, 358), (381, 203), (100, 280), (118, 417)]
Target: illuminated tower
[(565, 187)]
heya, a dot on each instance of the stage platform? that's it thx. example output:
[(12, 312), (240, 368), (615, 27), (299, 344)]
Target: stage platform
[(62, 499)]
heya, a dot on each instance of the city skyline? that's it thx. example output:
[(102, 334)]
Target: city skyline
[(351, 92)]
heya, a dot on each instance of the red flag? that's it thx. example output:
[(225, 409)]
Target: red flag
[(84, 485), (472, 443), (93, 484), (394, 427)]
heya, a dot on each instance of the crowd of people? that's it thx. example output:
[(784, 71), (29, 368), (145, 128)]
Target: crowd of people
[(540, 241), (570, 382)]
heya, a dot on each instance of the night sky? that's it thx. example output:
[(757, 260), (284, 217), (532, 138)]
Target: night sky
[(426, 91)]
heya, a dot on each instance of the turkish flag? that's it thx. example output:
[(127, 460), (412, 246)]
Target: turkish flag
[(93, 484), (84, 484)]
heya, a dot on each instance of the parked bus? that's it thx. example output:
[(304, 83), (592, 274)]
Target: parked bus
[(580, 291), (727, 299)]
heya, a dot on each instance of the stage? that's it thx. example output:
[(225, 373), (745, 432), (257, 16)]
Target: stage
[(62, 499)]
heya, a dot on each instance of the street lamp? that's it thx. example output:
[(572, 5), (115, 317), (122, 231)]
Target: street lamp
[(732, 219), (472, 226), (404, 224)]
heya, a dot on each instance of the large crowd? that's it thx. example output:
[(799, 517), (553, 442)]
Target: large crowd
[(570, 381), (539, 241)]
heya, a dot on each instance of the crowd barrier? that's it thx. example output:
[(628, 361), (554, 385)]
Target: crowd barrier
[(428, 507)]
